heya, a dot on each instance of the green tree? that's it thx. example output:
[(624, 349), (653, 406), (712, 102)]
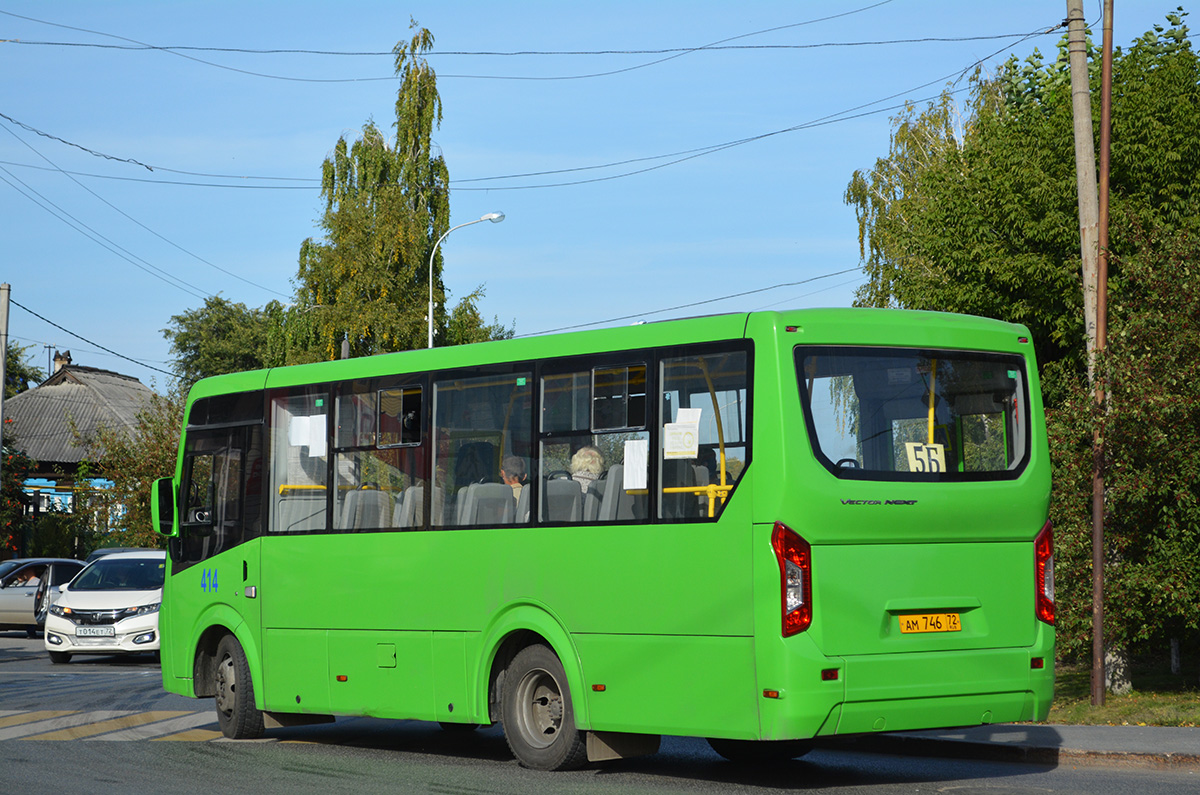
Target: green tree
[(133, 461), (386, 204), (1152, 443), (466, 325), (974, 210), (13, 501), (220, 337), (19, 373)]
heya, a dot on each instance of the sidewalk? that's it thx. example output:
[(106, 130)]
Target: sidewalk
[(1144, 746)]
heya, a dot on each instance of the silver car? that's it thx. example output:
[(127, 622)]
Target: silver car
[(21, 582)]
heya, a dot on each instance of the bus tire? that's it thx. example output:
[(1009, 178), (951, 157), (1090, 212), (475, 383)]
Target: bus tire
[(236, 713), (539, 720), (759, 751)]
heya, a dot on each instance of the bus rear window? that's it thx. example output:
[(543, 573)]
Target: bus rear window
[(908, 414)]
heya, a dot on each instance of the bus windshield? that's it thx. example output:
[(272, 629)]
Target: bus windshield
[(908, 414)]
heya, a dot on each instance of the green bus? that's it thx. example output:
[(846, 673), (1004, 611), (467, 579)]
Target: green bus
[(757, 528)]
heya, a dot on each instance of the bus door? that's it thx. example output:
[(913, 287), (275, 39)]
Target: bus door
[(215, 558)]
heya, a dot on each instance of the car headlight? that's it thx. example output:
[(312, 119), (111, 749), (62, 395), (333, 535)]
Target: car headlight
[(140, 610), (60, 611)]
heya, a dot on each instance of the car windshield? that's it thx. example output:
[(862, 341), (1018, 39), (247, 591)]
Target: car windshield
[(907, 414), (115, 574)]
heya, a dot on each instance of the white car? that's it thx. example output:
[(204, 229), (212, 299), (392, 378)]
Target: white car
[(111, 607)]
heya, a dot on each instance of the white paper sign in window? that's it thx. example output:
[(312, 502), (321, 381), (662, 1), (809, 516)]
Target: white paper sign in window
[(308, 432), (637, 457), (681, 439)]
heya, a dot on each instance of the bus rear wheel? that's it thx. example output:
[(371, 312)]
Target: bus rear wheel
[(539, 720), (760, 751), (236, 713)]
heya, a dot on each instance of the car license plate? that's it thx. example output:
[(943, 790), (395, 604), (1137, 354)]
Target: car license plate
[(94, 632), (930, 622)]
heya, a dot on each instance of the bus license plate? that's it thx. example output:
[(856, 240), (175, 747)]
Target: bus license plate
[(94, 632), (930, 622)]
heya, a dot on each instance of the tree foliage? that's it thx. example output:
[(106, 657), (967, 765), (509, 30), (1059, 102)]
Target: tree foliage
[(220, 337), (366, 281), (133, 461), (1151, 428), (386, 204), (20, 374), (974, 210), (13, 501)]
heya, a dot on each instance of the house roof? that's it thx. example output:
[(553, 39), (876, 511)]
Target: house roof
[(39, 419)]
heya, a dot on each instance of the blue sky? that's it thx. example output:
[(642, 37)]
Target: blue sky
[(768, 212)]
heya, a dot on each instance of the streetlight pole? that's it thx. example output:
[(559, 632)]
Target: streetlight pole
[(495, 218)]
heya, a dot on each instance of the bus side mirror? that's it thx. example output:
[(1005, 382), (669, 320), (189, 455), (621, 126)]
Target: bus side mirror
[(162, 507)]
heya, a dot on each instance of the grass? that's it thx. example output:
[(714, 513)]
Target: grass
[(1158, 698)]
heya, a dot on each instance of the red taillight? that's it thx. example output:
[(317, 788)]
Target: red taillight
[(1043, 555), (795, 578)]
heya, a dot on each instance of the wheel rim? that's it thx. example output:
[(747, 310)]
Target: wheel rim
[(540, 708), (226, 678)]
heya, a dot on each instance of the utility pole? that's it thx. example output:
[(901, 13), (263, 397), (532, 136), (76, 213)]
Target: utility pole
[(1094, 258), (4, 291), (1098, 674)]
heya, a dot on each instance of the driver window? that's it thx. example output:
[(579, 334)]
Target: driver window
[(214, 477)]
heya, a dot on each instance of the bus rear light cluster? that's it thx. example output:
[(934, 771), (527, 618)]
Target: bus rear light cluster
[(1043, 555), (795, 578)]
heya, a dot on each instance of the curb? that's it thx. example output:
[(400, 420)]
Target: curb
[(1007, 752)]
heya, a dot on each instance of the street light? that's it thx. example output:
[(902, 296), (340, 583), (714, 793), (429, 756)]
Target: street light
[(495, 218)]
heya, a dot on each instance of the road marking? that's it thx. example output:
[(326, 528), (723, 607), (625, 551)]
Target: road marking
[(193, 736), (186, 724), (18, 718), (47, 722), (104, 726)]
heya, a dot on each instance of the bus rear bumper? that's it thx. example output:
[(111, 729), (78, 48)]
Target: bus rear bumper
[(896, 692), (899, 692)]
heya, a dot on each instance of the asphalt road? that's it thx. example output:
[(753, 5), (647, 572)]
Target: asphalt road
[(104, 724)]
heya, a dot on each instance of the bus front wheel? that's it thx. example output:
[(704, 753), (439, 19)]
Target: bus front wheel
[(236, 713), (539, 721)]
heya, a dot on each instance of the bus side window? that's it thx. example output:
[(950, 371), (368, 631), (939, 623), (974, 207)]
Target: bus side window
[(704, 444), (593, 446), (214, 483), (482, 425), (299, 461)]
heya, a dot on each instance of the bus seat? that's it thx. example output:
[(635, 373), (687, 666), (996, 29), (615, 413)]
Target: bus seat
[(701, 480), (523, 505), (618, 504), (398, 511), (366, 508), (592, 500), (410, 508), (563, 501), (487, 503), (679, 473), (301, 511)]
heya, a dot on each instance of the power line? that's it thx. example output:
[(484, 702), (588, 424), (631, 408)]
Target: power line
[(522, 53), (139, 223), (688, 306), (90, 342), (96, 237), (691, 154), (676, 52), (684, 155)]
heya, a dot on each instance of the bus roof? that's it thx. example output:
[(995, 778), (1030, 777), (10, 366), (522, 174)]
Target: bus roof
[(846, 325)]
